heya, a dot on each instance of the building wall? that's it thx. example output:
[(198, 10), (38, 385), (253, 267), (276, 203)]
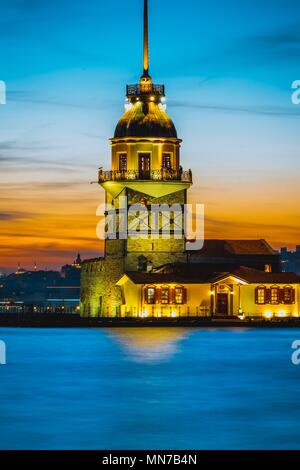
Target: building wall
[(198, 302), (249, 306)]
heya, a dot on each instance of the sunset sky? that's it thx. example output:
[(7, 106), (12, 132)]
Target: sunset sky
[(228, 67)]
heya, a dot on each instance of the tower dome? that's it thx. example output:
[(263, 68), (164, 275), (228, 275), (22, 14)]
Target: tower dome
[(145, 118)]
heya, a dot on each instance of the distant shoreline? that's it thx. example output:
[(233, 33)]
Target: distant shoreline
[(75, 321)]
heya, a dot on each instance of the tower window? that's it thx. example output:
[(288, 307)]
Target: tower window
[(123, 162), (167, 161), (144, 166)]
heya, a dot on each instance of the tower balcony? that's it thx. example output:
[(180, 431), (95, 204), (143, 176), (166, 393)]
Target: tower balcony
[(164, 174), (135, 91)]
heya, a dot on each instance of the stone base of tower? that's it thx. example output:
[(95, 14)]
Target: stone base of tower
[(100, 297)]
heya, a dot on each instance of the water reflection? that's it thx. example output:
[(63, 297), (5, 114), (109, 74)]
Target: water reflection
[(150, 344)]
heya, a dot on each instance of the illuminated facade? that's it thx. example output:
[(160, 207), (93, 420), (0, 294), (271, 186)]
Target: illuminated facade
[(244, 293), (158, 276)]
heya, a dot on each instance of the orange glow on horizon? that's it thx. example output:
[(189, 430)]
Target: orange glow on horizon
[(51, 222)]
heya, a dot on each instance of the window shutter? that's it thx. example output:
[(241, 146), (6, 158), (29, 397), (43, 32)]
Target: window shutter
[(293, 296), (281, 296), (256, 295), (158, 295), (145, 295), (172, 295), (268, 296), (184, 295)]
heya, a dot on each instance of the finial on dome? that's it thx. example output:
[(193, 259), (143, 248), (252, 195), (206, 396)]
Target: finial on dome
[(146, 81), (146, 40)]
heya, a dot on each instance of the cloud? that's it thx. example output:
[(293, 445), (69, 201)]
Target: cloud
[(257, 110), (221, 225), (287, 38), (14, 215)]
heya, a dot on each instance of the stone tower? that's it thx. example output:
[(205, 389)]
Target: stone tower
[(146, 170)]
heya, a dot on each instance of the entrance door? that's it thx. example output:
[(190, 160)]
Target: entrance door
[(222, 304), (144, 166)]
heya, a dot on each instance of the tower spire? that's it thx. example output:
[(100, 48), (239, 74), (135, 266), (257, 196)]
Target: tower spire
[(146, 40)]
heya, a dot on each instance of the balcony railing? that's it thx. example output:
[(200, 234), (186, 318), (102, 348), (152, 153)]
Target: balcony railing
[(164, 174), (135, 90)]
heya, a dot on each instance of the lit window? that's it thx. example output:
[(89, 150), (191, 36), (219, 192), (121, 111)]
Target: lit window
[(167, 160), (165, 295), (274, 295), (123, 162), (288, 295), (268, 268), (178, 295), (150, 295), (261, 295)]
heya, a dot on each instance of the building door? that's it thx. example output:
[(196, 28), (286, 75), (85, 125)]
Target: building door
[(222, 304), (144, 166)]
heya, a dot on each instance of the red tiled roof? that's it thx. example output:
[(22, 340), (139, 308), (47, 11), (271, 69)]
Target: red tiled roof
[(255, 276), (145, 278), (235, 247)]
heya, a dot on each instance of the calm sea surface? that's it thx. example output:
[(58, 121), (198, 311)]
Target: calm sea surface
[(149, 389)]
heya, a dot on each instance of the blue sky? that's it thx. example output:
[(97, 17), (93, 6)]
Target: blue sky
[(228, 68)]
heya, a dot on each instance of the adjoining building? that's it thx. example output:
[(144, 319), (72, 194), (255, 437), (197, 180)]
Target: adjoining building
[(244, 292), (161, 276)]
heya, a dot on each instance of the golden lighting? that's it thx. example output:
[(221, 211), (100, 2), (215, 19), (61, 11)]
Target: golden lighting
[(144, 314), (149, 344), (268, 315), (281, 314)]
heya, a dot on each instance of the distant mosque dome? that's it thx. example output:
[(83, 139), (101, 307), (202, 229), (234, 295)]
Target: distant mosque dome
[(145, 119)]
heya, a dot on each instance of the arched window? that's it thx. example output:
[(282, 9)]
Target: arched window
[(260, 295), (149, 295), (167, 160), (165, 295), (288, 295), (123, 162), (179, 295), (275, 295)]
